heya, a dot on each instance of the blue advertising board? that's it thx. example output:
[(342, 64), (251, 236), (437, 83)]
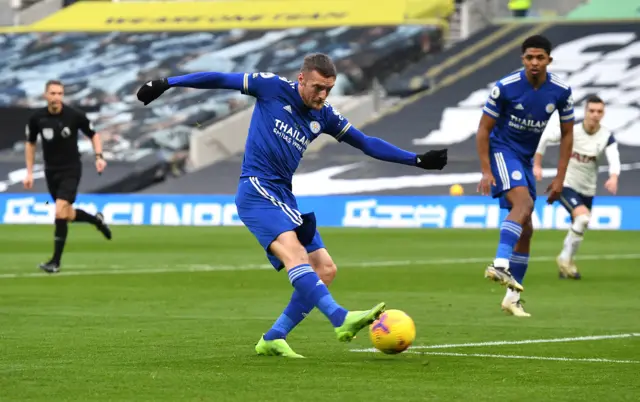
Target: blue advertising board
[(609, 212)]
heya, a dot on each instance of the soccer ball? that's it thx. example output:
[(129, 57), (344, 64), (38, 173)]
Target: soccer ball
[(393, 332), (456, 189)]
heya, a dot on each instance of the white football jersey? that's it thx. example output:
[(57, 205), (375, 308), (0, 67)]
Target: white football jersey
[(582, 172)]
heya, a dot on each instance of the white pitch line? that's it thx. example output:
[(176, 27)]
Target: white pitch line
[(121, 269), (523, 342), (562, 359)]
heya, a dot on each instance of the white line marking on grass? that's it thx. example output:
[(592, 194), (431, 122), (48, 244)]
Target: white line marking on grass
[(120, 269), (562, 359), (523, 342)]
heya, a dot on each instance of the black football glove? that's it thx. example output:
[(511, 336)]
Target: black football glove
[(151, 90), (432, 160)]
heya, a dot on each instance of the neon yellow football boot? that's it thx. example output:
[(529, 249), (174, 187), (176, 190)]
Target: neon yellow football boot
[(276, 347), (356, 320)]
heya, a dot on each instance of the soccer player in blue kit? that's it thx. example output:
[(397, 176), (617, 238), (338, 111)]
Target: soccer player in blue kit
[(513, 120), (286, 118)]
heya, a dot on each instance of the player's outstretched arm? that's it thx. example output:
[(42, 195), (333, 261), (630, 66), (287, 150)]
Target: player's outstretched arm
[(613, 158), (152, 90), (382, 150), (482, 144)]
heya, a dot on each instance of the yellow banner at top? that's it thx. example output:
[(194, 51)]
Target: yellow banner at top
[(220, 15)]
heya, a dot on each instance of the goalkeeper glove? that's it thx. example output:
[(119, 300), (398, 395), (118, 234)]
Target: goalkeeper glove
[(152, 90), (432, 160)]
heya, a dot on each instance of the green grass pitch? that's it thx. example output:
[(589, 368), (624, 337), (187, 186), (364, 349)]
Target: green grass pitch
[(173, 313)]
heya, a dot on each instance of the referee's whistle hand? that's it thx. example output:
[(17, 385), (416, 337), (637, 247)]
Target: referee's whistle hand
[(100, 165), (28, 182)]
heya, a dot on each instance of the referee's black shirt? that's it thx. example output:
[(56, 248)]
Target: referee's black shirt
[(59, 134)]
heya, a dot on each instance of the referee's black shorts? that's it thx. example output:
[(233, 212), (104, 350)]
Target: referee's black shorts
[(63, 183)]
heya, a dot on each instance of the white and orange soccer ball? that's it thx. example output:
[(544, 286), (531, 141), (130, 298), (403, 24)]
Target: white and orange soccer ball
[(393, 332)]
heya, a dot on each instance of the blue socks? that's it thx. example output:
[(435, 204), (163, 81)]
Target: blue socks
[(314, 292), (293, 314), (509, 234), (518, 264)]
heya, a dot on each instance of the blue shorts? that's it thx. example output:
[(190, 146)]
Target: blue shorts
[(570, 199), (269, 209), (510, 172)]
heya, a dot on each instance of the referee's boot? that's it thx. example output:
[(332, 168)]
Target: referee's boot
[(102, 226), (51, 267)]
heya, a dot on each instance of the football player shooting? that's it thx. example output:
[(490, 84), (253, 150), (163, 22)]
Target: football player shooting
[(58, 125), (512, 123), (286, 118), (591, 140)]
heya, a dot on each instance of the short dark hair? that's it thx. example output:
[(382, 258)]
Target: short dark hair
[(537, 42), (52, 82), (321, 63), (594, 99)]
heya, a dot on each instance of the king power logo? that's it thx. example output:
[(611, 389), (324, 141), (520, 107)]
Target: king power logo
[(583, 64)]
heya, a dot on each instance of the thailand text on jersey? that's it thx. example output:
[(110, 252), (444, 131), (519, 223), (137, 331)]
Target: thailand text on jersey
[(582, 172), (59, 133), (522, 112), (282, 127)]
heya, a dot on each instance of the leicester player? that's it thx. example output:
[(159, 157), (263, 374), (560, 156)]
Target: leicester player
[(58, 125), (286, 118), (591, 140), (514, 118)]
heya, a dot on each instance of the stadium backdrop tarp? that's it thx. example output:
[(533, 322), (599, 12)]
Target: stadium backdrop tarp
[(12, 125), (119, 177)]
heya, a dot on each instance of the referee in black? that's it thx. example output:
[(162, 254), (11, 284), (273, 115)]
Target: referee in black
[(58, 125)]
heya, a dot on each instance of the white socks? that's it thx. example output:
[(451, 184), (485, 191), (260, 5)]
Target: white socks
[(574, 237)]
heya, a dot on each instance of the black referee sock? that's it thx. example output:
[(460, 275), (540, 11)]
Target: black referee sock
[(60, 239), (83, 216)]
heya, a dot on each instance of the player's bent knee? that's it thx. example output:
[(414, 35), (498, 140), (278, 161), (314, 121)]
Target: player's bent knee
[(324, 266), (580, 210), (581, 222), (527, 231), (62, 212), (327, 272), (523, 209)]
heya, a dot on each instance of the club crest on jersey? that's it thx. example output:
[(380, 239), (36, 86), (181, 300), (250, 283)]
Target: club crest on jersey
[(516, 175), (550, 108), (65, 132), (47, 133), (315, 127)]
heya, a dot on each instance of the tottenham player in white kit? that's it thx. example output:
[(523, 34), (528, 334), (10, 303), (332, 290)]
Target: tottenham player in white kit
[(590, 141)]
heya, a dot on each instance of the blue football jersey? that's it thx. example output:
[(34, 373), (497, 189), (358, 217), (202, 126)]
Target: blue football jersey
[(522, 112), (282, 127)]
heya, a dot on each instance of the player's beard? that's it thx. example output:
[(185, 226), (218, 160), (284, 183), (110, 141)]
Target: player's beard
[(55, 107)]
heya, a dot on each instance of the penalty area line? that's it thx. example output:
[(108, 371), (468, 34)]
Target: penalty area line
[(502, 343), (122, 269)]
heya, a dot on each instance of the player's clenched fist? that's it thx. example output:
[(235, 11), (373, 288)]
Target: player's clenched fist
[(432, 160), (151, 90)]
